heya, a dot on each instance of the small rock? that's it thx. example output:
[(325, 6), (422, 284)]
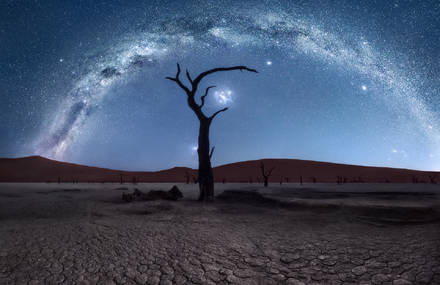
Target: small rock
[(175, 193)]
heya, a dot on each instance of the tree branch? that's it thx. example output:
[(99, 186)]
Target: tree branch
[(206, 94), (177, 80), (216, 113), (266, 173), (203, 74), (270, 171), (189, 76), (212, 151)]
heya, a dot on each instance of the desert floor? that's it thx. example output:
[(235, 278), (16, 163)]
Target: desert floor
[(315, 234)]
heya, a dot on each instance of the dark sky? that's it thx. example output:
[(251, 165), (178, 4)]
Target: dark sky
[(342, 81)]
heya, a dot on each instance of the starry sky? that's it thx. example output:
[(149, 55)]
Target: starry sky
[(342, 81)]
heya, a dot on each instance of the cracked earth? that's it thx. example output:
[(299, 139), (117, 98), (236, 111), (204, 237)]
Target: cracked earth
[(76, 235)]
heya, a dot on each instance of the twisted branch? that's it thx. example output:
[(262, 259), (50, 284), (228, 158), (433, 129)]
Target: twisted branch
[(206, 94), (218, 112)]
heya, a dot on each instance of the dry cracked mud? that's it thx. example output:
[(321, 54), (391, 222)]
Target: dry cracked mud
[(89, 237)]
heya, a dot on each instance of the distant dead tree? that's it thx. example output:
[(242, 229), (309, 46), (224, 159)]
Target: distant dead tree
[(265, 174), (415, 180), (121, 180), (314, 179), (206, 177), (134, 180), (433, 179), (339, 179), (287, 179), (224, 180), (300, 180)]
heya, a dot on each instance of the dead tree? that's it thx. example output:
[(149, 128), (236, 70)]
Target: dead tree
[(266, 174), (206, 178)]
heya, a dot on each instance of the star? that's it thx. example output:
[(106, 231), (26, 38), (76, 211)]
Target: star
[(364, 88), (268, 62)]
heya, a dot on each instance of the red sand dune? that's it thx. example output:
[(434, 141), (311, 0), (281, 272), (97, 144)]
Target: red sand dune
[(40, 169)]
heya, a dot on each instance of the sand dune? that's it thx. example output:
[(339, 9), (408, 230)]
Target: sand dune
[(40, 169)]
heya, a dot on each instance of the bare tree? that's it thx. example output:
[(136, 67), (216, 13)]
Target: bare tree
[(266, 174), (433, 178), (206, 178)]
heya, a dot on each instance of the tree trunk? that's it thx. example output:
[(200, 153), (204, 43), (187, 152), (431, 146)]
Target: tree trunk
[(206, 177), (266, 181)]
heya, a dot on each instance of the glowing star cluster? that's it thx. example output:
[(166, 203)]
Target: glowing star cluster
[(223, 97)]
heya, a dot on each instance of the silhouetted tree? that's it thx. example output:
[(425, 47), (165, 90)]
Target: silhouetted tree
[(265, 174), (415, 179), (300, 180), (224, 180), (432, 178), (338, 180), (206, 177), (121, 180)]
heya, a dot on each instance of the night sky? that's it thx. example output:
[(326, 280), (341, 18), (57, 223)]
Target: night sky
[(342, 81)]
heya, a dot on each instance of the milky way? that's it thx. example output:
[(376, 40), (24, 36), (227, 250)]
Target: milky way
[(276, 29)]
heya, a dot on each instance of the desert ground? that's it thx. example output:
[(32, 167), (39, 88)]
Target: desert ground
[(84, 233)]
